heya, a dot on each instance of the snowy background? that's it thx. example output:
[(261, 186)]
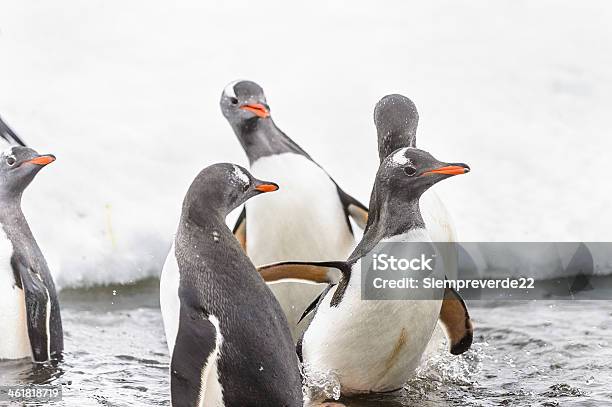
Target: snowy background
[(126, 95)]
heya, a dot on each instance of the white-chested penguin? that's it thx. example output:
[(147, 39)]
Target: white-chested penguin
[(375, 345), (8, 136), (308, 219), (29, 309), (229, 339), (396, 119)]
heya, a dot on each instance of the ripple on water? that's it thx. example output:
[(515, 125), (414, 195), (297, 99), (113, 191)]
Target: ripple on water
[(116, 356), (563, 390)]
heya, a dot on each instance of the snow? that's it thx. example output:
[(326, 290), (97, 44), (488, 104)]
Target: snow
[(126, 95)]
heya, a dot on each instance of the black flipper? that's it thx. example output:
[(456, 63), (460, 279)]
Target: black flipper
[(456, 321), (9, 135), (315, 303), (316, 272), (38, 308), (195, 342), (239, 230), (354, 209)]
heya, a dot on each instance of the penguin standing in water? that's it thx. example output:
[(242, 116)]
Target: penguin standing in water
[(229, 339), (29, 309), (307, 220), (8, 136), (396, 119), (375, 345)]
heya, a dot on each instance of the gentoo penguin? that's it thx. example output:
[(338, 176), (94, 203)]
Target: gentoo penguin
[(29, 309), (308, 219), (396, 119), (9, 135), (375, 345), (228, 337)]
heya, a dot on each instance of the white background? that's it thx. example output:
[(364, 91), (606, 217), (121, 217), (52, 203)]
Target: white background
[(126, 93)]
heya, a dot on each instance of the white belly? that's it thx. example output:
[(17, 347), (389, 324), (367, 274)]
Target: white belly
[(439, 222), (303, 221), (370, 346), (15, 343), (169, 299), (440, 228)]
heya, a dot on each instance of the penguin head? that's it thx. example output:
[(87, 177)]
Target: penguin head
[(18, 166), (408, 172), (222, 188), (396, 119), (244, 101)]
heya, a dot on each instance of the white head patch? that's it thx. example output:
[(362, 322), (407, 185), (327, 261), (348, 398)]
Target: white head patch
[(7, 152), (399, 158), (241, 176), (229, 89)]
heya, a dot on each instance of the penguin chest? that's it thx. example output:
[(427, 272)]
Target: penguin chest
[(441, 229), (370, 346), (15, 343), (303, 220), (439, 222)]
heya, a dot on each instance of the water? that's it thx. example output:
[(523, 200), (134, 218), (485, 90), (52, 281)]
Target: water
[(525, 353), (115, 349), (131, 111)]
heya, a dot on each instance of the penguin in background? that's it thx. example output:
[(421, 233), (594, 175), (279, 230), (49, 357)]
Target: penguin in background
[(29, 307), (270, 152), (375, 345), (8, 136), (229, 341), (396, 119), (308, 219)]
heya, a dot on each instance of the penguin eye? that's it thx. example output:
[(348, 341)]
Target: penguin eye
[(410, 171), (245, 187), (234, 101), (11, 160)]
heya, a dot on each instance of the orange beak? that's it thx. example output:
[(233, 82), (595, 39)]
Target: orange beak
[(267, 187), (42, 160), (257, 108), (449, 170)]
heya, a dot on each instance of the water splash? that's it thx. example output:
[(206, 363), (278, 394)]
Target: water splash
[(319, 385), (441, 366)]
